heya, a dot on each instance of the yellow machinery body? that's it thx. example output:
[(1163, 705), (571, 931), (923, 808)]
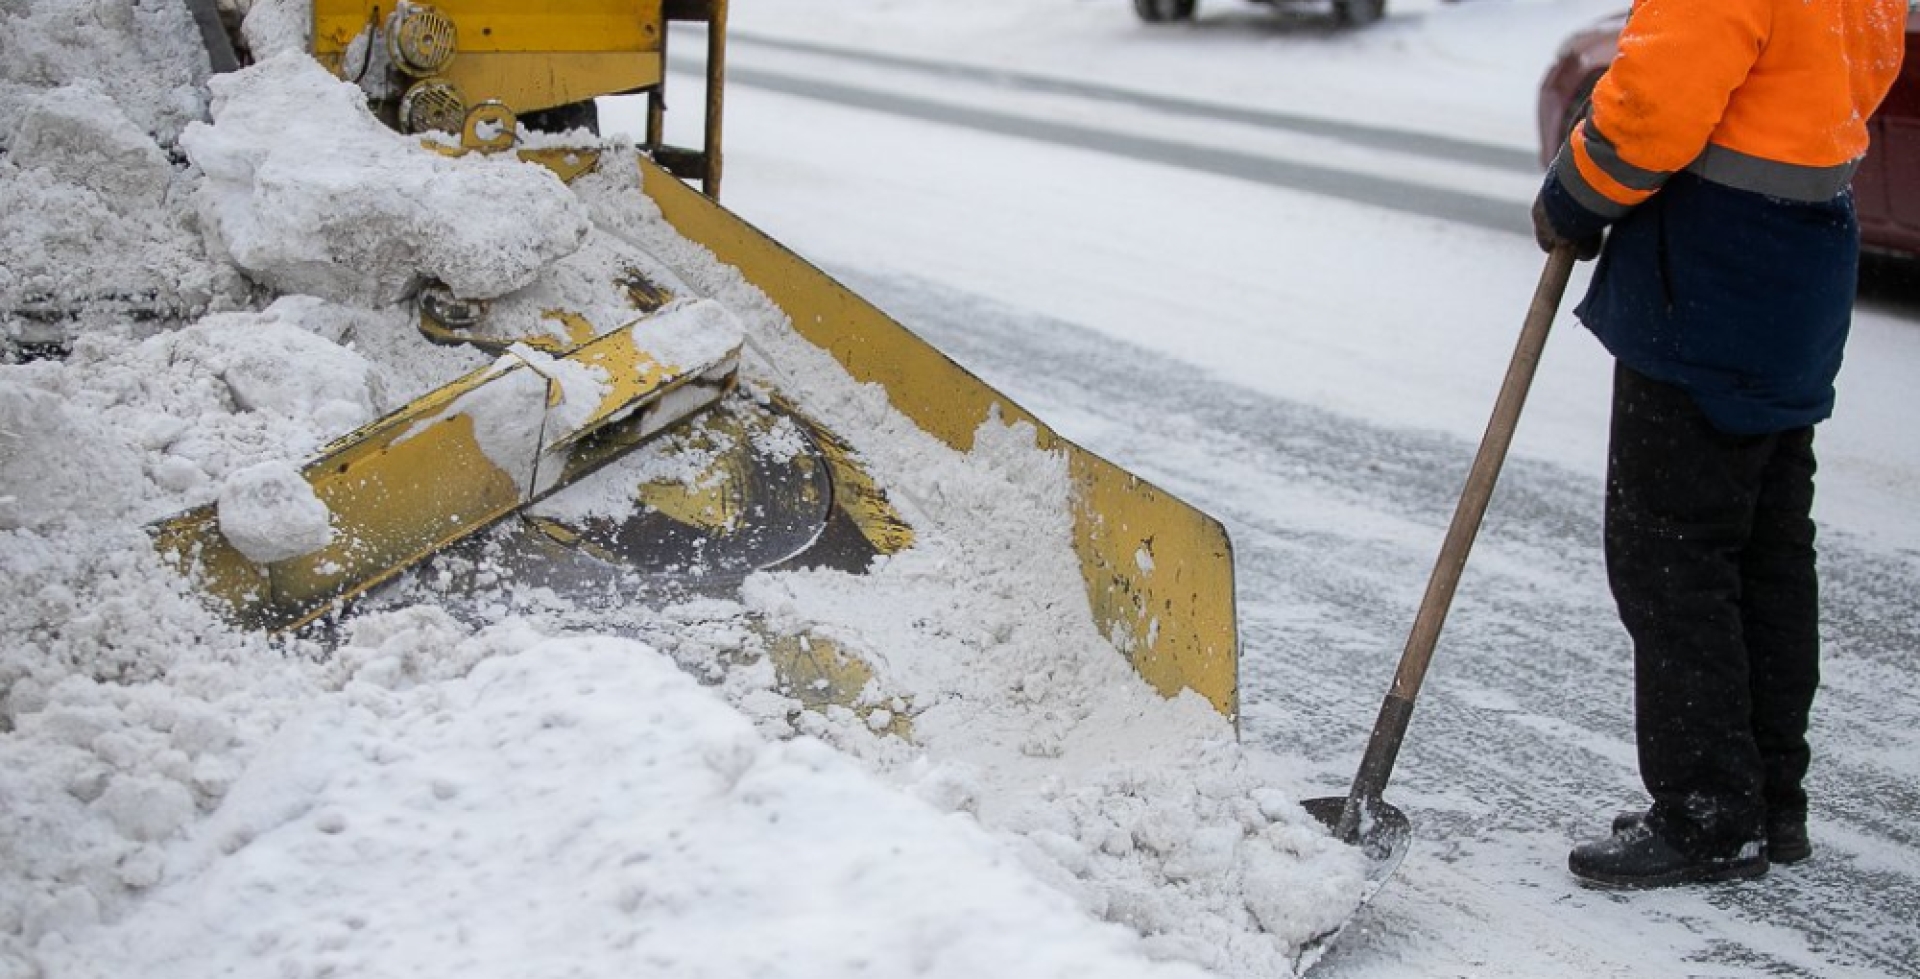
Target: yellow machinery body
[(529, 55), (434, 65), (1158, 572)]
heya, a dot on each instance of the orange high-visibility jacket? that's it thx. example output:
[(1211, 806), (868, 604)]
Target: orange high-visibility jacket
[(1770, 96)]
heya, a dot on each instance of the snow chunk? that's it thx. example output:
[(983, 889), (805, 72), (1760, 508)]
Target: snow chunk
[(92, 217), (78, 129), (587, 284), (55, 462), (508, 414), (689, 334), (270, 364), (272, 27), (576, 392), (146, 56), (310, 193), (146, 808), (269, 513)]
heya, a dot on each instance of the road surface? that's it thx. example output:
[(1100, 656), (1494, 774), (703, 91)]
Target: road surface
[(1522, 743)]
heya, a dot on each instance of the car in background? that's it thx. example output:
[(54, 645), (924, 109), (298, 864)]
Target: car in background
[(1886, 189), (1346, 12)]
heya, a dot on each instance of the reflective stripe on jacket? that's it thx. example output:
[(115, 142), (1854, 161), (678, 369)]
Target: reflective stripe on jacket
[(1769, 96)]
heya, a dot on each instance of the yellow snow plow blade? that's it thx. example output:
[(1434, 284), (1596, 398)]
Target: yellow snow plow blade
[(1159, 573), (450, 464)]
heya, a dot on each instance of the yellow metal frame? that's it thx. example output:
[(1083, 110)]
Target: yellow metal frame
[(1159, 573), (704, 163), (533, 56)]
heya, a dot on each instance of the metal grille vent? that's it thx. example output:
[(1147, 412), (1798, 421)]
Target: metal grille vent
[(421, 40), (432, 105)]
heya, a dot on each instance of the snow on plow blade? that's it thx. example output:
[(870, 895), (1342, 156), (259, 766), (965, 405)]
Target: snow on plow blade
[(453, 462), (1158, 572)]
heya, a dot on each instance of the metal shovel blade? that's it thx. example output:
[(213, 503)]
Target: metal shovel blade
[(1385, 835)]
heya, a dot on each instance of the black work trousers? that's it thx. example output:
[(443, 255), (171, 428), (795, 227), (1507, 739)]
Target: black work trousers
[(1710, 556)]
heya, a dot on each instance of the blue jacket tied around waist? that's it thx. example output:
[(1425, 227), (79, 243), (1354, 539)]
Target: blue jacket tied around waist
[(1740, 299)]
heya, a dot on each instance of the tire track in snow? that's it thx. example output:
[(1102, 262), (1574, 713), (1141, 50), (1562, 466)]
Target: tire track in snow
[(1408, 197), (1358, 134)]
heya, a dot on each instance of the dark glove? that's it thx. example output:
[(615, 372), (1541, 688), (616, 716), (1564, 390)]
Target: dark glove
[(1550, 237)]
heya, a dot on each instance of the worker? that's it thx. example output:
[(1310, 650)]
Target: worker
[(1716, 161)]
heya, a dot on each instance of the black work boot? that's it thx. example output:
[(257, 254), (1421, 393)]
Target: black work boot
[(1787, 841), (1636, 857), (1787, 838)]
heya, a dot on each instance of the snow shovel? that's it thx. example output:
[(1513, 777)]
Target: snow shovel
[(1362, 817)]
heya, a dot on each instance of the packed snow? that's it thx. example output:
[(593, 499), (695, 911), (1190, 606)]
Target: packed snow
[(511, 783)]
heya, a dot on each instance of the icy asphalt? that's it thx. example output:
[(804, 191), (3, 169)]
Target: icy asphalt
[(1522, 743)]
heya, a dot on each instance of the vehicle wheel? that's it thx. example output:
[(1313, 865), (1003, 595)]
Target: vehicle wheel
[(1582, 105), (1161, 11), (1356, 13), (559, 119)]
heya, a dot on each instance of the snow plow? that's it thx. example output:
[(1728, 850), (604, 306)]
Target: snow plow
[(361, 362), (573, 389)]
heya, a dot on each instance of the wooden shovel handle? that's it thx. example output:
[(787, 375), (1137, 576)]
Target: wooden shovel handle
[(1383, 747)]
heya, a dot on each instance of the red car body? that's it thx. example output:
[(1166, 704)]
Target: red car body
[(1887, 187)]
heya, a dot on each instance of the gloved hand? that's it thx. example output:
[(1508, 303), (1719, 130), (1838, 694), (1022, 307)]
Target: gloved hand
[(1550, 237)]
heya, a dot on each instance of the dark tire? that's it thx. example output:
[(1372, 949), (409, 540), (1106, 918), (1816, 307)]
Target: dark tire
[(562, 118), (1162, 11), (1358, 13), (1582, 106)]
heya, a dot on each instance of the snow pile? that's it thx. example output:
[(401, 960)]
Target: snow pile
[(143, 429), (412, 832), (52, 459), (1144, 809), (270, 364), (144, 56), (94, 215), (515, 791)]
